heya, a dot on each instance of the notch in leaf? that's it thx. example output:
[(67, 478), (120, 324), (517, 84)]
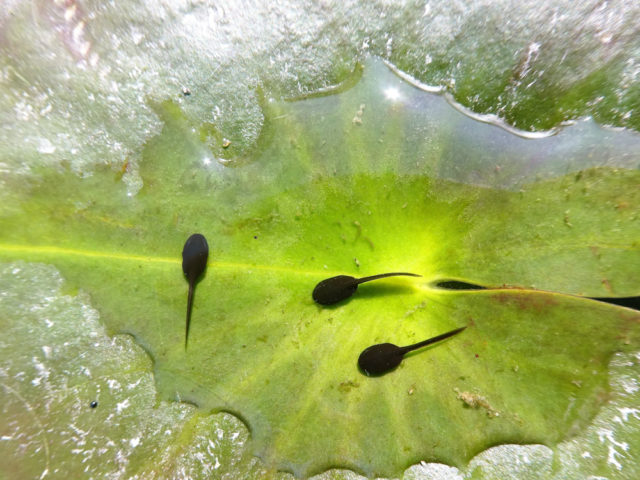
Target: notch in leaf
[(628, 302), (382, 358), (194, 261), (333, 290), (458, 285)]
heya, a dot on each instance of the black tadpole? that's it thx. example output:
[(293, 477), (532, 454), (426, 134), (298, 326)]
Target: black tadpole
[(194, 262), (382, 358), (334, 289)]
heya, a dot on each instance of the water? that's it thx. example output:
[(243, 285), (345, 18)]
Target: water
[(78, 92)]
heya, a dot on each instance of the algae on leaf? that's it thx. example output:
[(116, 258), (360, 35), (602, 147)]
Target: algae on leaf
[(413, 185)]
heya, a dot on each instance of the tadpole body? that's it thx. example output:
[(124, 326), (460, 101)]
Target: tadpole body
[(333, 290), (379, 359), (194, 261)]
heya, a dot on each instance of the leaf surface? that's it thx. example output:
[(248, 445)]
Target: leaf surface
[(411, 185)]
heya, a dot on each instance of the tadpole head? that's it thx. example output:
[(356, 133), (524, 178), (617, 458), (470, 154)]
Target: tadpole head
[(194, 256), (379, 359), (334, 289)]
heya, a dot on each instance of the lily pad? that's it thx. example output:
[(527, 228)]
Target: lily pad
[(381, 177)]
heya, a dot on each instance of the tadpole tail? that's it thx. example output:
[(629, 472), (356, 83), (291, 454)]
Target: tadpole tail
[(383, 275), (189, 303), (431, 340)]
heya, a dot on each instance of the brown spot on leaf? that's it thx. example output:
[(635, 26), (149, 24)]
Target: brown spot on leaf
[(629, 329), (537, 302), (346, 387)]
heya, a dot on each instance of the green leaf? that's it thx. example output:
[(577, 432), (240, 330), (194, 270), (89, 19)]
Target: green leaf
[(381, 177)]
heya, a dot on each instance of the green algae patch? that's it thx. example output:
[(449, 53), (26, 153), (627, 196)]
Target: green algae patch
[(381, 177)]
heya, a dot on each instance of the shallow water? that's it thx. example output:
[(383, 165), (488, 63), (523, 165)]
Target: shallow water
[(78, 92)]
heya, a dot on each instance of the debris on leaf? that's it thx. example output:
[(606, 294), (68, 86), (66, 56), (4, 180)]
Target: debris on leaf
[(357, 119), (474, 400)]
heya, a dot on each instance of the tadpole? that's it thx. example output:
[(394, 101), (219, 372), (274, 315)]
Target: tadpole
[(194, 262), (379, 359), (334, 289)]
